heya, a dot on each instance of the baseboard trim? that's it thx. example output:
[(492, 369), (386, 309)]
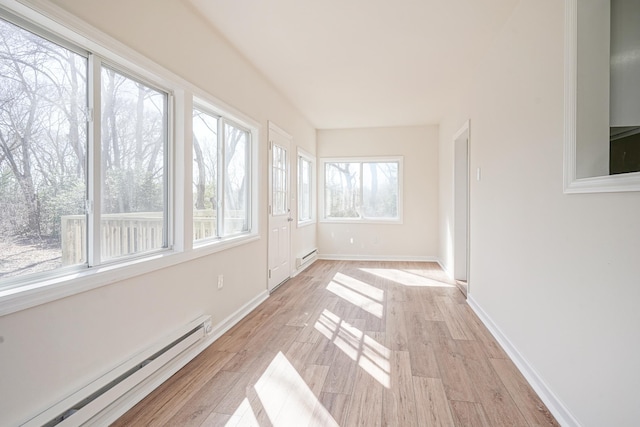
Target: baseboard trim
[(127, 401), (445, 269), (554, 404), (304, 267), (339, 257)]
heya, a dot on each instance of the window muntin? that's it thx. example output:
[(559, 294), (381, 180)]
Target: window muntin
[(360, 189), (305, 189), (133, 216), (221, 177), (43, 154)]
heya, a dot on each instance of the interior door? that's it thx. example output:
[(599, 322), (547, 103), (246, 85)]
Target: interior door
[(279, 210)]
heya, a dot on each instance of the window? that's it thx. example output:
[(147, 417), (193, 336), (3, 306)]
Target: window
[(601, 144), (46, 163), (362, 189), (85, 161), (306, 193), (133, 192), (221, 177)]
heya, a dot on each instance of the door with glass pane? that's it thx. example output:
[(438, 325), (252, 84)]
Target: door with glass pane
[(279, 210)]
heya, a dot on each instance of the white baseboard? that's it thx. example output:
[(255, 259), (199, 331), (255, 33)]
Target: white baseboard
[(127, 401), (448, 272), (554, 404), (231, 320), (304, 267), (340, 257)]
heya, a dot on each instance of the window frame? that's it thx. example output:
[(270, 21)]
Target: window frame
[(305, 156), (49, 21), (361, 219), (221, 176), (572, 184)]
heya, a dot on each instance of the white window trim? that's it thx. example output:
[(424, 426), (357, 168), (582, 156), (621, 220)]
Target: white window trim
[(573, 184), (362, 220), (312, 160), (37, 289), (224, 117)]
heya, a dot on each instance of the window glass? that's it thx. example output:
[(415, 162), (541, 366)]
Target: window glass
[(205, 175), (133, 150), (380, 190), (304, 190), (236, 179), (342, 190), (279, 177), (43, 154)]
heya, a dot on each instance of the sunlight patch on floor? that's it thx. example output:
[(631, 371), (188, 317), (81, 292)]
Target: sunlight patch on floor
[(370, 355), (243, 416), (286, 397), (358, 293), (406, 278)]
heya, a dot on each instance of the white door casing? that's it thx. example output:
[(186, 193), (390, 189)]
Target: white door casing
[(461, 204), (280, 218)]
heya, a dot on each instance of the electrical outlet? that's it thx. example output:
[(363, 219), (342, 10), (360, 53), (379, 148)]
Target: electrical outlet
[(220, 281)]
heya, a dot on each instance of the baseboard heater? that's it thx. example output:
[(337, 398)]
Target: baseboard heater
[(306, 258), (87, 404)]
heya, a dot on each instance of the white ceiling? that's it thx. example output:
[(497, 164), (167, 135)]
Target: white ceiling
[(362, 63)]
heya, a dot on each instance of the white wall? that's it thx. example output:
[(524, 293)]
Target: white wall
[(417, 237), (49, 351), (558, 274)]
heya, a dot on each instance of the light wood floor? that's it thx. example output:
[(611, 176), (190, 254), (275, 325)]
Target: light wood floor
[(351, 343)]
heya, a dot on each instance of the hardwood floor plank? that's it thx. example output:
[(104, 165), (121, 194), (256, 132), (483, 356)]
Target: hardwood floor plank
[(198, 408), (457, 326), (481, 333), (456, 380), (488, 388), (396, 327), (365, 408), (433, 409), (523, 395), (348, 340), (423, 360), (238, 392), (337, 404), (468, 414), (398, 401)]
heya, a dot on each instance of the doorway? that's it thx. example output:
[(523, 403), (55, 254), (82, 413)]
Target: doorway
[(279, 251), (461, 209)]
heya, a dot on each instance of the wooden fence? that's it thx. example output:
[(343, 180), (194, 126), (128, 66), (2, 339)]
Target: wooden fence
[(124, 234)]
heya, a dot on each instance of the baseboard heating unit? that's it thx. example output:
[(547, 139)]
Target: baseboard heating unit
[(306, 258), (104, 400)]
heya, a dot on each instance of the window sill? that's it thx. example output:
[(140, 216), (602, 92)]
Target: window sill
[(43, 291), (303, 224), (362, 221)]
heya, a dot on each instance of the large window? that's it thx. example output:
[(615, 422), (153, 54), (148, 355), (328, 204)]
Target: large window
[(306, 185), (48, 184), (362, 189), (86, 161), (221, 177)]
